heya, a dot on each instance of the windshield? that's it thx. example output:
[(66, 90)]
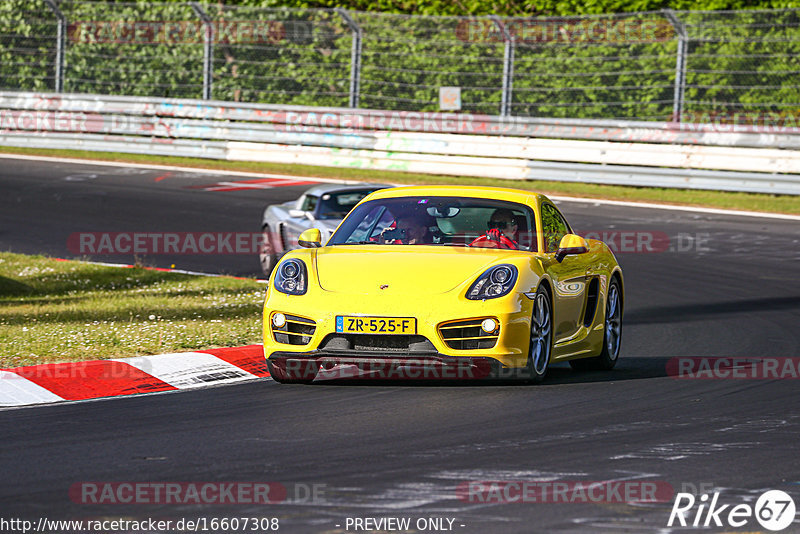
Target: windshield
[(444, 221), (337, 205)]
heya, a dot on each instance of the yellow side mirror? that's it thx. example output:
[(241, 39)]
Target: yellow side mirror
[(571, 244), (311, 238)]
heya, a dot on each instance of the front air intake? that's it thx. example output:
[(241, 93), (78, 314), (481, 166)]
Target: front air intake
[(296, 331), (468, 334)]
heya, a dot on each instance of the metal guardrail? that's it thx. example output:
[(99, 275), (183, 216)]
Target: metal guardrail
[(612, 152), (151, 113)]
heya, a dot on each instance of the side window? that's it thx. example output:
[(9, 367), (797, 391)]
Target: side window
[(554, 227), (309, 203), (375, 221)]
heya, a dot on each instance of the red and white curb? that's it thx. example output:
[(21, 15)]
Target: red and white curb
[(57, 382)]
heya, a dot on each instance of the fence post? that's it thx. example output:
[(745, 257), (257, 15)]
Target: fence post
[(208, 49), (61, 34), (508, 67), (355, 57), (680, 63)]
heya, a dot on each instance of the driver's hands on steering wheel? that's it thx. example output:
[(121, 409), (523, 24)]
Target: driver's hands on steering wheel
[(494, 234), (496, 237)]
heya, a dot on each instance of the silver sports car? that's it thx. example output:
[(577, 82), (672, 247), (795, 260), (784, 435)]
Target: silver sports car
[(323, 206)]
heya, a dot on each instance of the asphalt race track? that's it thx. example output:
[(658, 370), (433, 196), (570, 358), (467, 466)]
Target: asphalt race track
[(725, 286)]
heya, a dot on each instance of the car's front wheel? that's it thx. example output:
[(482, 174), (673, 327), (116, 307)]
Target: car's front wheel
[(541, 343), (266, 251)]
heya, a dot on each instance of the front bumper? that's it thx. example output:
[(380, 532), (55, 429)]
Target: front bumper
[(313, 327)]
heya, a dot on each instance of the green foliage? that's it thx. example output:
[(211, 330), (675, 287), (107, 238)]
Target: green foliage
[(26, 51), (60, 311), (524, 8), (596, 66)]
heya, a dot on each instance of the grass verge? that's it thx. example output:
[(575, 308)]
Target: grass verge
[(55, 311), (687, 197)]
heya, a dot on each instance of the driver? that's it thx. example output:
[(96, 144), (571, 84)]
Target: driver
[(503, 223), (415, 230), (416, 233)]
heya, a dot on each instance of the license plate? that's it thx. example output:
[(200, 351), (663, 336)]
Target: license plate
[(375, 325)]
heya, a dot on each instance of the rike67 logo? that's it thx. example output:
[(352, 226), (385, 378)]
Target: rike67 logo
[(774, 510)]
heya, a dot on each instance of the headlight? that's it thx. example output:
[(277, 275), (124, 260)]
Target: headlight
[(495, 282), (291, 277)]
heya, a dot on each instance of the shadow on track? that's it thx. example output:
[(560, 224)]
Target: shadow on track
[(632, 368), (694, 311)]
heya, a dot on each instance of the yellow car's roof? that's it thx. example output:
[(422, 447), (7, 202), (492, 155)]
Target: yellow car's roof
[(475, 191)]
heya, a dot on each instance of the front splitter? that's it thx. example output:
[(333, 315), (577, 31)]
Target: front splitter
[(340, 365)]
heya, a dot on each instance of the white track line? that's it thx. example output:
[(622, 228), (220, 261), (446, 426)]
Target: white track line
[(176, 168), (695, 209)]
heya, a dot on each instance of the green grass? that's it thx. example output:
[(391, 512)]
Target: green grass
[(55, 311), (717, 199)]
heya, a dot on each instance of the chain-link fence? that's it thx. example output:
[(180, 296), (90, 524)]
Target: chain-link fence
[(647, 66)]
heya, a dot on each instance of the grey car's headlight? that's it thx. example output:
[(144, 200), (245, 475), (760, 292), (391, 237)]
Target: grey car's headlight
[(495, 282), (291, 277)]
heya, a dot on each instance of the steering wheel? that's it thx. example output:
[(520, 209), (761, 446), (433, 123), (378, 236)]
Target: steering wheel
[(485, 241)]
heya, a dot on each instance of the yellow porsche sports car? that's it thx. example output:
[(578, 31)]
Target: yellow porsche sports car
[(437, 282)]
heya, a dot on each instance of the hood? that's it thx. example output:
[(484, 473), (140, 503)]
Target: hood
[(405, 269)]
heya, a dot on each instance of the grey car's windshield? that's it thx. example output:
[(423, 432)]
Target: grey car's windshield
[(338, 204), (444, 221)]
